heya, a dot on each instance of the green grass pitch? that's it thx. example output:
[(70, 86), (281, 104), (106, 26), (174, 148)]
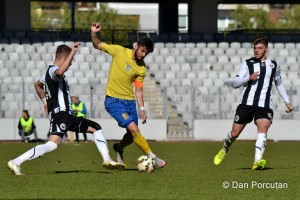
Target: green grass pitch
[(74, 171)]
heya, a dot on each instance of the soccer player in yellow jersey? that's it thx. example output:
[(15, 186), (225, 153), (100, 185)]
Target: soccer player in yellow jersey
[(127, 69)]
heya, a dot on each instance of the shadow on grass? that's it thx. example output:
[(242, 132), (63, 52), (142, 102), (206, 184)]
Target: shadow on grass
[(132, 169), (78, 171), (249, 168)]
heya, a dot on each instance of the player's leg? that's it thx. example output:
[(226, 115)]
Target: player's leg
[(124, 112), (142, 143), (90, 126), (85, 137), (230, 138), (260, 144), (77, 137), (118, 147), (35, 152), (243, 115)]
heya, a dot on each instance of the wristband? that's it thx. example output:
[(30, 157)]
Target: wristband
[(44, 101), (93, 34), (142, 108)]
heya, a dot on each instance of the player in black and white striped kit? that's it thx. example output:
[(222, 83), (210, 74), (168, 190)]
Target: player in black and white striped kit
[(61, 115), (257, 75)]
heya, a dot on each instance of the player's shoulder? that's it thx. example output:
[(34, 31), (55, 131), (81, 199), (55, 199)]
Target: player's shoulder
[(252, 60)]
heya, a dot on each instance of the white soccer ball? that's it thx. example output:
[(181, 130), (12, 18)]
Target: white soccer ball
[(145, 164)]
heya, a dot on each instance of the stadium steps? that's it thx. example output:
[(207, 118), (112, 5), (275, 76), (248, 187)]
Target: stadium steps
[(153, 96)]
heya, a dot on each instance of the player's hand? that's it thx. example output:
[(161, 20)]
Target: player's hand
[(253, 76), (144, 116), (75, 47), (290, 108), (95, 27)]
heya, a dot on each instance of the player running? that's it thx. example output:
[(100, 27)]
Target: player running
[(256, 75), (61, 115), (127, 68)]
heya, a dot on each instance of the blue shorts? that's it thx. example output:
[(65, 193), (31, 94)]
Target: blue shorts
[(122, 110)]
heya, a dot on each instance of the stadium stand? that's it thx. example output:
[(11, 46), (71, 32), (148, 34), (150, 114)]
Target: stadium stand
[(193, 70)]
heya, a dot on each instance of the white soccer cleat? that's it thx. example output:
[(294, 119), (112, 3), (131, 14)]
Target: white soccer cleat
[(14, 168), (159, 162)]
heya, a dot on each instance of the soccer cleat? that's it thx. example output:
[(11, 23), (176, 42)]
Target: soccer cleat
[(159, 162), (259, 164), (14, 168), (219, 157), (119, 153), (113, 165)]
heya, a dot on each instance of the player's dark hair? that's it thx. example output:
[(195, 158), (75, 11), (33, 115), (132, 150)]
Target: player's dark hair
[(62, 51), (262, 40), (146, 42)]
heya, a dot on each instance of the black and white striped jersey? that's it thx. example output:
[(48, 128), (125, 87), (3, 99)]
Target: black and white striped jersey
[(258, 92), (57, 92)]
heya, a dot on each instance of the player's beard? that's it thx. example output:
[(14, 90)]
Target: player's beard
[(137, 57)]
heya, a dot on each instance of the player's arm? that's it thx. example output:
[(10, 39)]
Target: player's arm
[(65, 65), (140, 99), (243, 77), (95, 28), (281, 90), (39, 88)]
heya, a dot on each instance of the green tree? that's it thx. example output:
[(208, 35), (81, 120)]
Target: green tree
[(250, 19), (291, 17), (57, 15), (51, 15)]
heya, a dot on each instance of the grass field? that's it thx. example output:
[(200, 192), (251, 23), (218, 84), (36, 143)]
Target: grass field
[(74, 171)]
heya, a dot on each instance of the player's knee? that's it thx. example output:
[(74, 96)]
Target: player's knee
[(95, 125), (136, 134)]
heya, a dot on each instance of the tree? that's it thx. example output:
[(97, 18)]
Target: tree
[(57, 16), (250, 19), (292, 17)]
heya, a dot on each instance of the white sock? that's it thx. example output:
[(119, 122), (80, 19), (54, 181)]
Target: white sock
[(102, 145), (228, 142), (151, 155), (260, 146), (35, 152)]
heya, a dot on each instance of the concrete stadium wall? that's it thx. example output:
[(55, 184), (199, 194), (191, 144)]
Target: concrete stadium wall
[(154, 129), (216, 130)]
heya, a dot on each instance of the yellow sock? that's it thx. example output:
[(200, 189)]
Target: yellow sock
[(141, 142), (127, 140)]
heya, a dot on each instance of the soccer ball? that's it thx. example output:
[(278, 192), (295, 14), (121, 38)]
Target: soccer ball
[(145, 164)]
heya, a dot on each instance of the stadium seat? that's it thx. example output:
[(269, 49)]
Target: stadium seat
[(169, 75), (164, 67), (197, 82), (180, 75), (169, 59), (190, 45), (174, 51)]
